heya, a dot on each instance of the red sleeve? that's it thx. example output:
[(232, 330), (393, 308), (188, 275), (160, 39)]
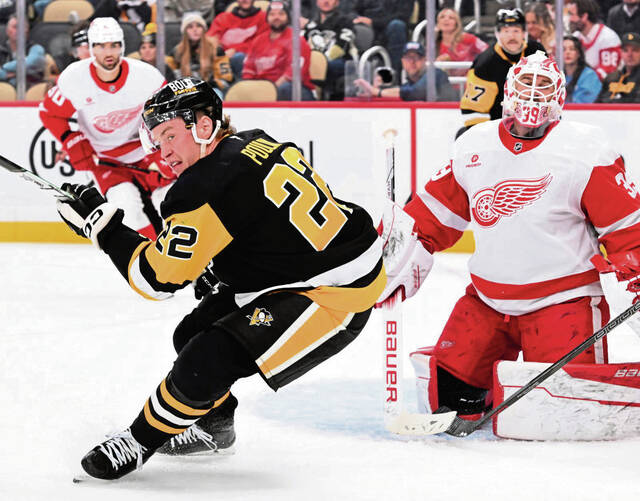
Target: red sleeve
[(608, 61), (249, 70), (218, 25), (55, 112), (441, 211), (612, 204), (262, 27)]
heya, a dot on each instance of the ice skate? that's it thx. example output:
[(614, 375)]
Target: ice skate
[(212, 434)]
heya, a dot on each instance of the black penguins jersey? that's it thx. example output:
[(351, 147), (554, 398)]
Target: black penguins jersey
[(265, 219), (484, 91)]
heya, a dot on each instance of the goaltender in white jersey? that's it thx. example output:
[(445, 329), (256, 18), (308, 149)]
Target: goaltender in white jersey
[(541, 196), (106, 93)]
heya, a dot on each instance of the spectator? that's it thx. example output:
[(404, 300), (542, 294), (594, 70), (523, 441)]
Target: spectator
[(625, 17), (148, 51), (331, 32), (175, 9), (7, 9), (601, 44), (197, 56), (34, 61), (79, 46), (389, 20), (415, 88), (453, 44), (582, 82), (269, 57), (540, 26), (623, 86), (138, 12), (483, 95), (235, 31)]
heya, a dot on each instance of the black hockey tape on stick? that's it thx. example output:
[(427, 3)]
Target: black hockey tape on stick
[(462, 428), (30, 176)]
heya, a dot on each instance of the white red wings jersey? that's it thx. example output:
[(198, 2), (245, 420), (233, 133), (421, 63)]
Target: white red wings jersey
[(108, 114), (601, 49), (538, 209)]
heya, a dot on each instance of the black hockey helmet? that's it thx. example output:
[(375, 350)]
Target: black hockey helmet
[(181, 98), (510, 17)]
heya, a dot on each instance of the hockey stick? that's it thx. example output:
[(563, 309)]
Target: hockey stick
[(453, 425), (30, 176), (103, 162)]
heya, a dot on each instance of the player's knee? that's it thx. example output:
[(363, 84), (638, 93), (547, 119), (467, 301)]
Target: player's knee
[(437, 387)]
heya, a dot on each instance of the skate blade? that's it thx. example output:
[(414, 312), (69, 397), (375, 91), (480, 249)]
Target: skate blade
[(229, 451)]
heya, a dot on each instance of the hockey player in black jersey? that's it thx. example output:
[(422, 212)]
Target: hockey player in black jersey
[(296, 270), (482, 99)]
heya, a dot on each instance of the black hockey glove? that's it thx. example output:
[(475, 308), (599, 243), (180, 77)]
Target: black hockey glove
[(89, 214), (205, 283)]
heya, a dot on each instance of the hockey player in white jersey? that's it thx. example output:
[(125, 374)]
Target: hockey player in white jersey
[(541, 196), (107, 92)]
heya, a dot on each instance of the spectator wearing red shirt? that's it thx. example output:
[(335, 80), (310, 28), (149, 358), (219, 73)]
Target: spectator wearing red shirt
[(453, 44), (269, 57), (235, 31)]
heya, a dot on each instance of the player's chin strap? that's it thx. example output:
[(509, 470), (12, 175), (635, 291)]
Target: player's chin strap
[(205, 142)]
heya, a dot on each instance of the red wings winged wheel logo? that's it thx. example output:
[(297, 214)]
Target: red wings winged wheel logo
[(506, 198)]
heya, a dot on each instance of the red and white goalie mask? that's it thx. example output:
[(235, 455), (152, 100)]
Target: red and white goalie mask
[(534, 95)]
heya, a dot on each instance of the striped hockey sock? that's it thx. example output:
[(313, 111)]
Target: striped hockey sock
[(167, 413)]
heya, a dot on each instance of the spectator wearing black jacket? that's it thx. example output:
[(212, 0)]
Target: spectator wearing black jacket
[(330, 31), (389, 20), (625, 17), (623, 85)]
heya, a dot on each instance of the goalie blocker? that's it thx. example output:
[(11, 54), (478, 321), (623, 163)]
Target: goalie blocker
[(579, 402)]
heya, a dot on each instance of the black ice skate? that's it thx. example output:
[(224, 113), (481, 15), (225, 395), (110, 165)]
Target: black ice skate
[(212, 434), (115, 457)]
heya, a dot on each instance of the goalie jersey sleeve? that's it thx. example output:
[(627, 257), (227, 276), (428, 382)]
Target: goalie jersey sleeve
[(261, 214)]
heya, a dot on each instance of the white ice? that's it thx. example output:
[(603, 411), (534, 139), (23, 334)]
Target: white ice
[(80, 353)]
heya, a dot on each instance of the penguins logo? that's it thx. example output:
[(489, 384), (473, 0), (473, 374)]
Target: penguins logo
[(260, 316)]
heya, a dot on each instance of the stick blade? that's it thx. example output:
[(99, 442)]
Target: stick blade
[(420, 424)]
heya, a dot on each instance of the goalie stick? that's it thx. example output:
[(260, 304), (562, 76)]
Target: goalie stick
[(396, 418), (30, 176), (447, 421)]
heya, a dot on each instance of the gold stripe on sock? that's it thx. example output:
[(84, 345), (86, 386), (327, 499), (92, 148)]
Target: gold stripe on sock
[(157, 424), (185, 409)]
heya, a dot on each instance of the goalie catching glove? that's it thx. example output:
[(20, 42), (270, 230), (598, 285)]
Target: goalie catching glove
[(406, 261), (89, 213)]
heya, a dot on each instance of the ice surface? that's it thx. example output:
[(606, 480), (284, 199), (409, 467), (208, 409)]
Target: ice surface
[(80, 353)]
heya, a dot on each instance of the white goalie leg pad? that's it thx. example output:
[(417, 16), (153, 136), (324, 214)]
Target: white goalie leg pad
[(579, 402), (127, 197), (424, 365)]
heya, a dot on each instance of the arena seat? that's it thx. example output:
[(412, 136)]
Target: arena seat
[(7, 92), (36, 92), (53, 36), (252, 90), (318, 70)]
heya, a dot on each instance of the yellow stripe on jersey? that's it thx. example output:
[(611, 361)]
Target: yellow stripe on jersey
[(349, 299), (479, 94), (189, 241), (314, 327)]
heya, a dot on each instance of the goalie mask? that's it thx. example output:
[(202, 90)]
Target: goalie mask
[(534, 93), (182, 98), (104, 30)]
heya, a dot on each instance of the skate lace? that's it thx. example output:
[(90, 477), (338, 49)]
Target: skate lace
[(121, 448), (192, 435)]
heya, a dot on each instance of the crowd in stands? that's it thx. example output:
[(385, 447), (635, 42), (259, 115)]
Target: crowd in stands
[(225, 41)]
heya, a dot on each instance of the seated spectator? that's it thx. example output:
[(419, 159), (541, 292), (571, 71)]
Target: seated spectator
[(623, 86), (540, 27), (196, 55), (269, 57), (389, 20), (331, 32), (625, 17), (600, 43), (137, 12), (34, 61), (79, 46), (453, 44), (235, 31), (415, 88), (148, 52), (175, 9), (582, 82)]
